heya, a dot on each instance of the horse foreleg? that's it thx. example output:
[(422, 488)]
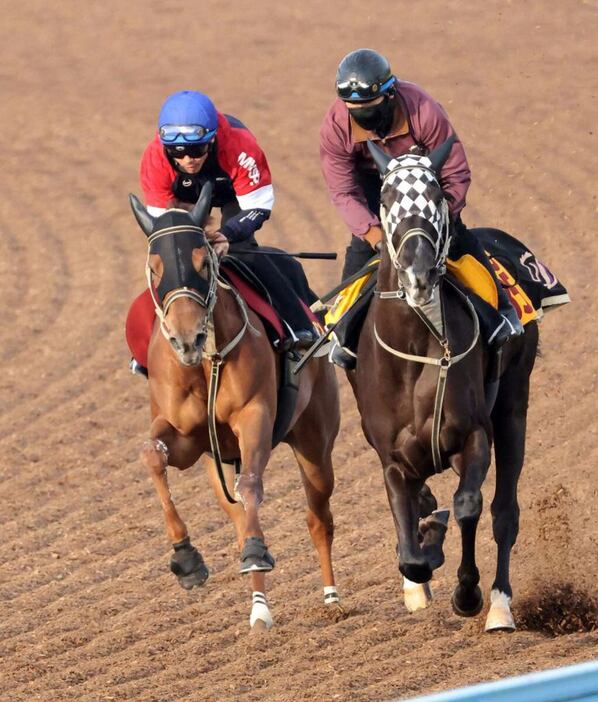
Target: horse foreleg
[(403, 495), (253, 429), (472, 464), (166, 444), (260, 613)]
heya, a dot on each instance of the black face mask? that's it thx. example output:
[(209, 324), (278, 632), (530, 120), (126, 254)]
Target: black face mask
[(377, 118)]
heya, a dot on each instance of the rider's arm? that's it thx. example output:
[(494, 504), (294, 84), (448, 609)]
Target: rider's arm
[(338, 168), (434, 129), (246, 164)]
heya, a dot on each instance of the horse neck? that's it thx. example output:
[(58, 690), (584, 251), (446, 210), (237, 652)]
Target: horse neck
[(227, 318)]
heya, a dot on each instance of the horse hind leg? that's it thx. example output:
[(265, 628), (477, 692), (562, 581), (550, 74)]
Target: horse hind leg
[(260, 618), (509, 421), (167, 445), (318, 482)]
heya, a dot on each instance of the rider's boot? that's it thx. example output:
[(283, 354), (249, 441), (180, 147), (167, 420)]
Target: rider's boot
[(341, 357)]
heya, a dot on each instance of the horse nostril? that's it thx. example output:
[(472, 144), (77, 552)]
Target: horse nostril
[(199, 340), (174, 343)]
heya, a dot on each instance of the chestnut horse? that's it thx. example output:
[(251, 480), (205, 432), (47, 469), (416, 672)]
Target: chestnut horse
[(212, 371), (420, 386)]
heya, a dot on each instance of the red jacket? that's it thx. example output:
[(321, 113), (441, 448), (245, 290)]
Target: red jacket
[(238, 155)]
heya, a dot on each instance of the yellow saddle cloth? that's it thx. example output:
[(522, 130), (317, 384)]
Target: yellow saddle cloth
[(468, 271)]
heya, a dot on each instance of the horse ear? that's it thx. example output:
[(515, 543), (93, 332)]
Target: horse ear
[(381, 159), (200, 212), (143, 217), (440, 153)]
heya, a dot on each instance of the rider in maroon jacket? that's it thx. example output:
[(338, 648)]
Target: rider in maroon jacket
[(399, 116)]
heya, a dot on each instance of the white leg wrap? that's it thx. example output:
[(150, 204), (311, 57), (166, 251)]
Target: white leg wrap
[(260, 611), (499, 615), (416, 595), (331, 596)]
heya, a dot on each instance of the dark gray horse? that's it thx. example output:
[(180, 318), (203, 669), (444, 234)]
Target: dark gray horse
[(420, 386)]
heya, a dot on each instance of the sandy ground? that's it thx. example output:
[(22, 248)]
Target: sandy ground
[(89, 611)]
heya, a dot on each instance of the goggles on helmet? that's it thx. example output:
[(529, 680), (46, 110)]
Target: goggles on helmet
[(190, 133), (356, 90)]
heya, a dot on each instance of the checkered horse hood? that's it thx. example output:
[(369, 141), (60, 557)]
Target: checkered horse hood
[(411, 195)]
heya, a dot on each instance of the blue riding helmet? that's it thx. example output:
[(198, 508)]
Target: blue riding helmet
[(187, 117)]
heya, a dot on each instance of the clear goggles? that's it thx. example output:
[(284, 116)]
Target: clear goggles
[(190, 133)]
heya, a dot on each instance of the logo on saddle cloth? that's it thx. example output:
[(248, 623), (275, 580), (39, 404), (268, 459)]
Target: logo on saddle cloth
[(473, 275)]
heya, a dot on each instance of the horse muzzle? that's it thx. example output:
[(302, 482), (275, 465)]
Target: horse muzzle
[(189, 353)]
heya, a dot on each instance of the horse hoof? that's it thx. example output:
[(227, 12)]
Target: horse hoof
[(499, 616), (255, 556), (260, 618), (188, 565), (433, 530), (416, 595), (470, 606), (416, 572), (196, 579), (260, 627)]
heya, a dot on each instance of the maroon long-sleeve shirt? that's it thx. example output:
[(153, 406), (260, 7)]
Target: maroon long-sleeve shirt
[(344, 153)]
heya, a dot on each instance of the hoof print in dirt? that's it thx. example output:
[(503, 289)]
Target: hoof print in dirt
[(255, 556), (188, 565)]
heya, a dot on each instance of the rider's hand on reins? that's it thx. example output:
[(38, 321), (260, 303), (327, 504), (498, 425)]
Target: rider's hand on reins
[(219, 243)]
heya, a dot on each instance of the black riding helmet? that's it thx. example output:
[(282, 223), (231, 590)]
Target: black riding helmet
[(363, 75)]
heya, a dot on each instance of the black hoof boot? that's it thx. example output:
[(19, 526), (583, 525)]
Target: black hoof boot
[(255, 556), (187, 564), (467, 605), (433, 530)]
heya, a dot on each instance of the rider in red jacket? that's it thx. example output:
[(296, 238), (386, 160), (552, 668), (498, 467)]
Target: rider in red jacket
[(196, 143)]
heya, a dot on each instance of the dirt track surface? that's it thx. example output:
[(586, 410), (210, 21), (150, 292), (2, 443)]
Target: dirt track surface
[(89, 611)]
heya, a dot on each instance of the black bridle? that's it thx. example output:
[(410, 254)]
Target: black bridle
[(174, 244)]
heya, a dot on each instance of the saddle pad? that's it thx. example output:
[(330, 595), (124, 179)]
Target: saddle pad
[(256, 302), (475, 277), (139, 326), (348, 296), (245, 278), (521, 265), (530, 285)]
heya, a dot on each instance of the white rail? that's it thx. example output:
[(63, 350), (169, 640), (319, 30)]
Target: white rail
[(576, 683)]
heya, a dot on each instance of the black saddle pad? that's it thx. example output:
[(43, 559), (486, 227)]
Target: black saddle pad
[(540, 284)]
